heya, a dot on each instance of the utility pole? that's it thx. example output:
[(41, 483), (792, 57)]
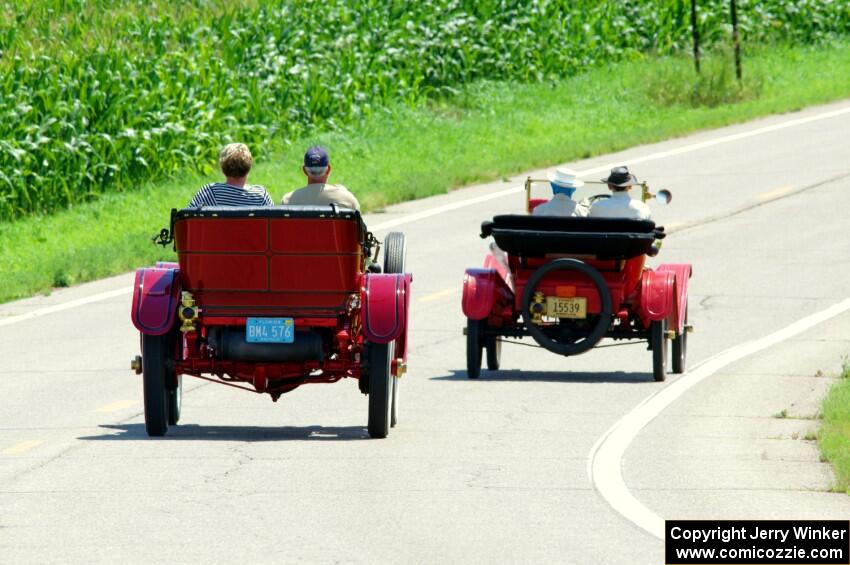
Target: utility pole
[(695, 33), (735, 40)]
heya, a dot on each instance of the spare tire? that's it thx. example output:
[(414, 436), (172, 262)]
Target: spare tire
[(603, 322)]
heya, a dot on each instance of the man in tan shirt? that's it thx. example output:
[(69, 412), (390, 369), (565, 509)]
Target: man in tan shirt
[(318, 192)]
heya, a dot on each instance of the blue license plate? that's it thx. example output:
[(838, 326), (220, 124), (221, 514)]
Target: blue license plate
[(270, 330)]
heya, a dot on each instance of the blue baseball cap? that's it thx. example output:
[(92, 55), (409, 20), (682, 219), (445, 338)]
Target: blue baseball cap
[(316, 156)]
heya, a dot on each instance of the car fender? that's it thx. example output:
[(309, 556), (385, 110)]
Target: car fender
[(156, 294), (480, 292), (403, 341), (683, 272), (500, 265), (385, 305), (657, 292)]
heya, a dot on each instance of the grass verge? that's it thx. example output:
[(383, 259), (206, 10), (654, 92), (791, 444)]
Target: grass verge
[(834, 435), (487, 131)]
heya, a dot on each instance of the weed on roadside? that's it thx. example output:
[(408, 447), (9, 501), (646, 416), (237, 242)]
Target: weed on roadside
[(715, 85), (834, 435)]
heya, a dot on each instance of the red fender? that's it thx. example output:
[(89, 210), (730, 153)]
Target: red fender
[(682, 272), (403, 341), (500, 264), (156, 295), (657, 290), (167, 265), (480, 292), (385, 306)]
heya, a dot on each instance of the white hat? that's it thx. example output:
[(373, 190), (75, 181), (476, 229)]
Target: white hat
[(566, 177)]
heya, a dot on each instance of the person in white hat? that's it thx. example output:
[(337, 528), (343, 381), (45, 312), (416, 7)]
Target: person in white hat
[(564, 183)]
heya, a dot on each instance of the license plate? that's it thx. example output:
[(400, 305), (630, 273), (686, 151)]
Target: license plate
[(557, 307), (269, 330)]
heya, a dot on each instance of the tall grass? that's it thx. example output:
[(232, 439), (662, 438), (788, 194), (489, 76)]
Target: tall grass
[(716, 84), (101, 95), (490, 130), (834, 435)]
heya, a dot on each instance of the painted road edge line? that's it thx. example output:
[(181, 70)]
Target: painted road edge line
[(605, 461), (66, 305), (437, 210)]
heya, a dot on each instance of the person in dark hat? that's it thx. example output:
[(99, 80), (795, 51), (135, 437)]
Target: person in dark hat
[(318, 192), (620, 205)]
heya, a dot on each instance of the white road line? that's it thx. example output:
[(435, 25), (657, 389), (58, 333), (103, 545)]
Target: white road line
[(605, 461), (65, 306), (437, 210)]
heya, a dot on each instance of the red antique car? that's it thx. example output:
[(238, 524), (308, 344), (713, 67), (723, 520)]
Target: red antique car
[(568, 282), (274, 298)]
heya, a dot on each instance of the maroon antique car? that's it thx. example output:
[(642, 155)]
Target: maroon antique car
[(273, 298), (569, 282)]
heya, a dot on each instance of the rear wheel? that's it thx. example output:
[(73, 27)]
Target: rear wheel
[(394, 407), (680, 348), (494, 352), (658, 342), (395, 262), (154, 374), (474, 348), (380, 389), (175, 398)]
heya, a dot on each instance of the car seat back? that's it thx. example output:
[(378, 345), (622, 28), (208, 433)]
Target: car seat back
[(271, 259)]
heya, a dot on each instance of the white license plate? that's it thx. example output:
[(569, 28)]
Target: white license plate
[(557, 307), (269, 330)]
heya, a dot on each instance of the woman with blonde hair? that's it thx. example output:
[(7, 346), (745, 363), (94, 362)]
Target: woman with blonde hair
[(235, 161)]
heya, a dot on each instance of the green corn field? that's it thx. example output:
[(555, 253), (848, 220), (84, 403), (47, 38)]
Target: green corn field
[(102, 95)]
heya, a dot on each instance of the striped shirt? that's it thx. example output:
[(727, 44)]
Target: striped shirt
[(221, 194)]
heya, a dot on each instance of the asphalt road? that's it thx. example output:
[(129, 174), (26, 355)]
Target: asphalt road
[(494, 470)]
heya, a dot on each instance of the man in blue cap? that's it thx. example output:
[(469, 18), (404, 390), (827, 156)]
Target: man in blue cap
[(318, 192)]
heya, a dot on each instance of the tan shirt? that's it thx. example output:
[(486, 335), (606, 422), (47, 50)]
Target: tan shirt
[(318, 194)]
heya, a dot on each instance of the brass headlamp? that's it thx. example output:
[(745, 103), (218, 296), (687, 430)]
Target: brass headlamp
[(188, 312)]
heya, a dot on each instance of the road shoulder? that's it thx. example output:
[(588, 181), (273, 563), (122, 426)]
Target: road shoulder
[(741, 444)]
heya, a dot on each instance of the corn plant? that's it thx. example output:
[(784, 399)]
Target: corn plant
[(102, 95)]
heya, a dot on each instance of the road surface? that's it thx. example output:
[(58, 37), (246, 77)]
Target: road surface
[(493, 470)]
